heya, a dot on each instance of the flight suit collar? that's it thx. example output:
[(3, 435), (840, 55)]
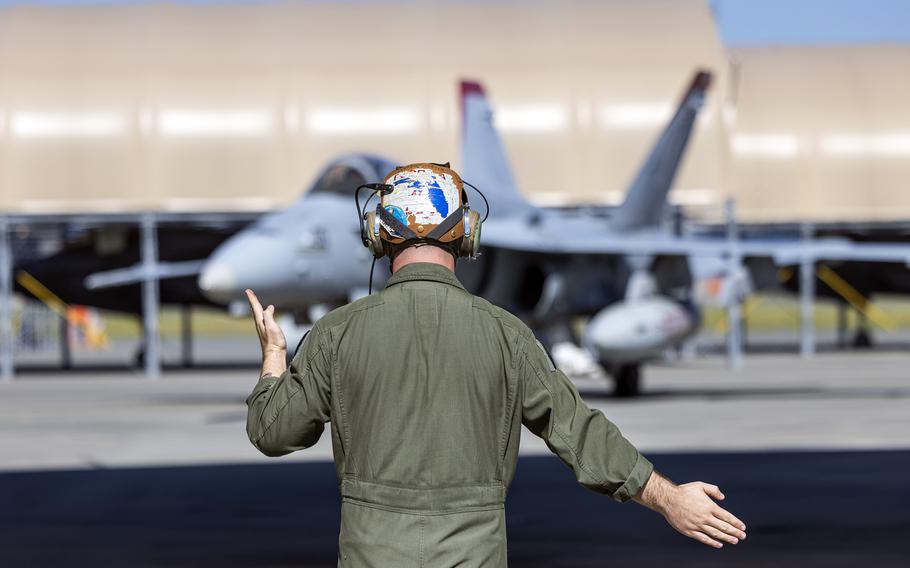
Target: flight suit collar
[(424, 271)]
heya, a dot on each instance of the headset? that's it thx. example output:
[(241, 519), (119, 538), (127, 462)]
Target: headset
[(464, 223)]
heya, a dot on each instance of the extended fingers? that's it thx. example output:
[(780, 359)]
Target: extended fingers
[(705, 539), (723, 531), (728, 517), (254, 305), (268, 318)]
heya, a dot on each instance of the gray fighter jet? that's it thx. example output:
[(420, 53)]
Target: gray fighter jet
[(638, 301), (626, 271), (306, 256), (309, 255), (630, 272)]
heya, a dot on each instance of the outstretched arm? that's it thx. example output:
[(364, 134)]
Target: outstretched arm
[(583, 438), (689, 509), (604, 461)]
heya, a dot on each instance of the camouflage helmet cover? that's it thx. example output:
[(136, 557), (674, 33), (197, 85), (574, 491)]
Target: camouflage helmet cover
[(422, 196)]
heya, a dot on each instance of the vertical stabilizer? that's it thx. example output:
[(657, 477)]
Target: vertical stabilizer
[(484, 161), (647, 196)]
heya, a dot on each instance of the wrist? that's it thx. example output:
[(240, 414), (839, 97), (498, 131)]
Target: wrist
[(658, 493), (274, 361), (274, 350)]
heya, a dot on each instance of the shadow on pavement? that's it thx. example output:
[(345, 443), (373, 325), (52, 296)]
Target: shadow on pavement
[(803, 509)]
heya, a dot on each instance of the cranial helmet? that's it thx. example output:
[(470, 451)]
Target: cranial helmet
[(422, 203)]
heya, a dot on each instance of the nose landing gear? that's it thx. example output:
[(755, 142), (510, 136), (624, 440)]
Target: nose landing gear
[(626, 378)]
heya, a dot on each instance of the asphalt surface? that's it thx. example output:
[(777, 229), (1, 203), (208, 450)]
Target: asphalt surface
[(803, 509), (109, 469)]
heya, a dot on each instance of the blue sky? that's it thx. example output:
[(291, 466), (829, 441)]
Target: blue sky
[(743, 22), (762, 22)]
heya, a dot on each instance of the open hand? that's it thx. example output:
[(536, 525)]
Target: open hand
[(689, 508), (271, 338)]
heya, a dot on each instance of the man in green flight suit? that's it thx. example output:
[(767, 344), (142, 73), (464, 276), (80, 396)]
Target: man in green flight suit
[(427, 386)]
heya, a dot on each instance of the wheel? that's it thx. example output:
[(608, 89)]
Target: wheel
[(627, 380), (862, 340)]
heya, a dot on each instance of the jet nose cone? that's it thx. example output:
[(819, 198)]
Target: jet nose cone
[(262, 262), (218, 282)]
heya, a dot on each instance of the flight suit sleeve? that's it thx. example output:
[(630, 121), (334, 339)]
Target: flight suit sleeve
[(288, 413), (592, 446)]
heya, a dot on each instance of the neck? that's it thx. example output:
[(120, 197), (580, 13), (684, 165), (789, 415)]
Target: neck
[(426, 253)]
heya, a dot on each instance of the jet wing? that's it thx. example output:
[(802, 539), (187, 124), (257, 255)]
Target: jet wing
[(548, 238), (137, 273), (98, 264)]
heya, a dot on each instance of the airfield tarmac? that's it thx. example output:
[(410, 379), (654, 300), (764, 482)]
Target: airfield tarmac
[(109, 469)]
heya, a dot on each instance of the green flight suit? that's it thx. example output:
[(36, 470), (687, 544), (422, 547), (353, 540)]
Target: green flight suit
[(426, 387)]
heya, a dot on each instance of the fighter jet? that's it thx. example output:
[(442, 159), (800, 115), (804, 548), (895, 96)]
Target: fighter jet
[(309, 255), (629, 272), (637, 302), (306, 257)]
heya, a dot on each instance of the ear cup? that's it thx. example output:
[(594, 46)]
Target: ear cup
[(365, 231), (470, 244), (369, 234), (475, 235)]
